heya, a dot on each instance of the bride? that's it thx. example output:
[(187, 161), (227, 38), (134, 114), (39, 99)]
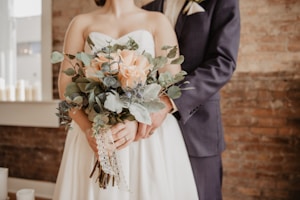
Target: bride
[(155, 168)]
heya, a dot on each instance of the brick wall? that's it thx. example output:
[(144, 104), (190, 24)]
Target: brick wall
[(262, 126), (270, 35), (261, 108)]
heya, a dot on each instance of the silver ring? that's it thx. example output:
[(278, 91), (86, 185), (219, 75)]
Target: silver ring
[(125, 139)]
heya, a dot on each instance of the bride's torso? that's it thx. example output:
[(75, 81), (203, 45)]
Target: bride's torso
[(142, 37)]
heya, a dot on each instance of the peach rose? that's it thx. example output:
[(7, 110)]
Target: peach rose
[(133, 69), (96, 64)]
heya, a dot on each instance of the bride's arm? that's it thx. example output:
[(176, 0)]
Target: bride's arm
[(74, 43), (163, 35)]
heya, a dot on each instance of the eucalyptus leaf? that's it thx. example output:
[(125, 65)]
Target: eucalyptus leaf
[(179, 76), (101, 119), (91, 99), (166, 47), (148, 56), (127, 116), (78, 100), (109, 81), (178, 60), (91, 114), (81, 71), (68, 100), (82, 80), (90, 42), (174, 92), (131, 44), (159, 62), (90, 86), (56, 57), (116, 47), (165, 78), (172, 52), (140, 113), (100, 75), (151, 91), (70, 56), (154, 106), (71, 89), (70, 72), (82, 87), (99, 104), (105, 67), (84, 57)]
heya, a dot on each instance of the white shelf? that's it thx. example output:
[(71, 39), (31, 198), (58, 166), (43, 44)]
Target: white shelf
[(29, 114)]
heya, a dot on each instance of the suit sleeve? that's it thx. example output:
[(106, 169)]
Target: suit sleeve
[(219, 60)]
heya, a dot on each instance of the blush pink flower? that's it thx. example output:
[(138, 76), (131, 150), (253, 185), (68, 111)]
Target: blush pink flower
[(133, 69), (97, 62)]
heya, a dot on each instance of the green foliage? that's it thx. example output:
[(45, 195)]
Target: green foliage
[(84, 58), (101, 96), (56, 57)]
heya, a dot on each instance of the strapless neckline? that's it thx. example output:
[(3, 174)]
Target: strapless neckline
[(126, 35), (142, 37)]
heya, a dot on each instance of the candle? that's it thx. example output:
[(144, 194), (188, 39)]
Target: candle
[(36, 92), (20, 90), (2, 90), (28, 93), (10, 93), (3, 183), (25, 194)]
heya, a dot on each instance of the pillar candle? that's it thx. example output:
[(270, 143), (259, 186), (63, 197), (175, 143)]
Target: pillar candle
[(25, 194), (3, 183), (10, 93), (28, 93), (2, 90), (20, 90), (36, 92)]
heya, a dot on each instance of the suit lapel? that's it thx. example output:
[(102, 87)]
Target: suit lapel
[(180, 21)]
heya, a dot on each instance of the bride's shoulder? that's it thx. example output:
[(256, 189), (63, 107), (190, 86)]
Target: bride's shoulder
[(82, 18), (81, 21)]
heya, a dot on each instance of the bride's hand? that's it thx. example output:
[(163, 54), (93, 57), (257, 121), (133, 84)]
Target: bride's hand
[(124, 133)]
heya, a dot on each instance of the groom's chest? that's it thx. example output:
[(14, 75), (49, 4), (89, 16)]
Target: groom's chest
[(193, 33)]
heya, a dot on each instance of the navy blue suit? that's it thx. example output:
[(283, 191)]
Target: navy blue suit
[(209, 42)]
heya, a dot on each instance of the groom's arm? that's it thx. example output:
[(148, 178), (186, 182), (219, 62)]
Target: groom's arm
[(219, 60)]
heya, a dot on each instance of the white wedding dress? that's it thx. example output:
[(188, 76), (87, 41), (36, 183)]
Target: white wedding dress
[(156, 168)]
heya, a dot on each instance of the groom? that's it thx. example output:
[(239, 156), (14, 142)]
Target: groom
[(208, 35)]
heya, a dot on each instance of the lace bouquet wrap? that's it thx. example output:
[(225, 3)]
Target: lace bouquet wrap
[(114, 84)]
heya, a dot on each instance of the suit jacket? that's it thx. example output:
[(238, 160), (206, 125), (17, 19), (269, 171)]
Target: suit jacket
[(209, 42)]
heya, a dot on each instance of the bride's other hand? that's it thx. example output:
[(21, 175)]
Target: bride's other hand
[(124, 133), (144, 130)]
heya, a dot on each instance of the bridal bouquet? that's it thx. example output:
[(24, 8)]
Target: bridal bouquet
[(114, 84)]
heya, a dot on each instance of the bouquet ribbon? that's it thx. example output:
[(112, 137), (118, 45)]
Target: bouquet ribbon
[(109, 159)]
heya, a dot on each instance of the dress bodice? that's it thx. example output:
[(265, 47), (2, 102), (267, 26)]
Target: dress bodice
[(142, 37)]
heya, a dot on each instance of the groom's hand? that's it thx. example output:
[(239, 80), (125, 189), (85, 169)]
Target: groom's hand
[(144, 130)]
